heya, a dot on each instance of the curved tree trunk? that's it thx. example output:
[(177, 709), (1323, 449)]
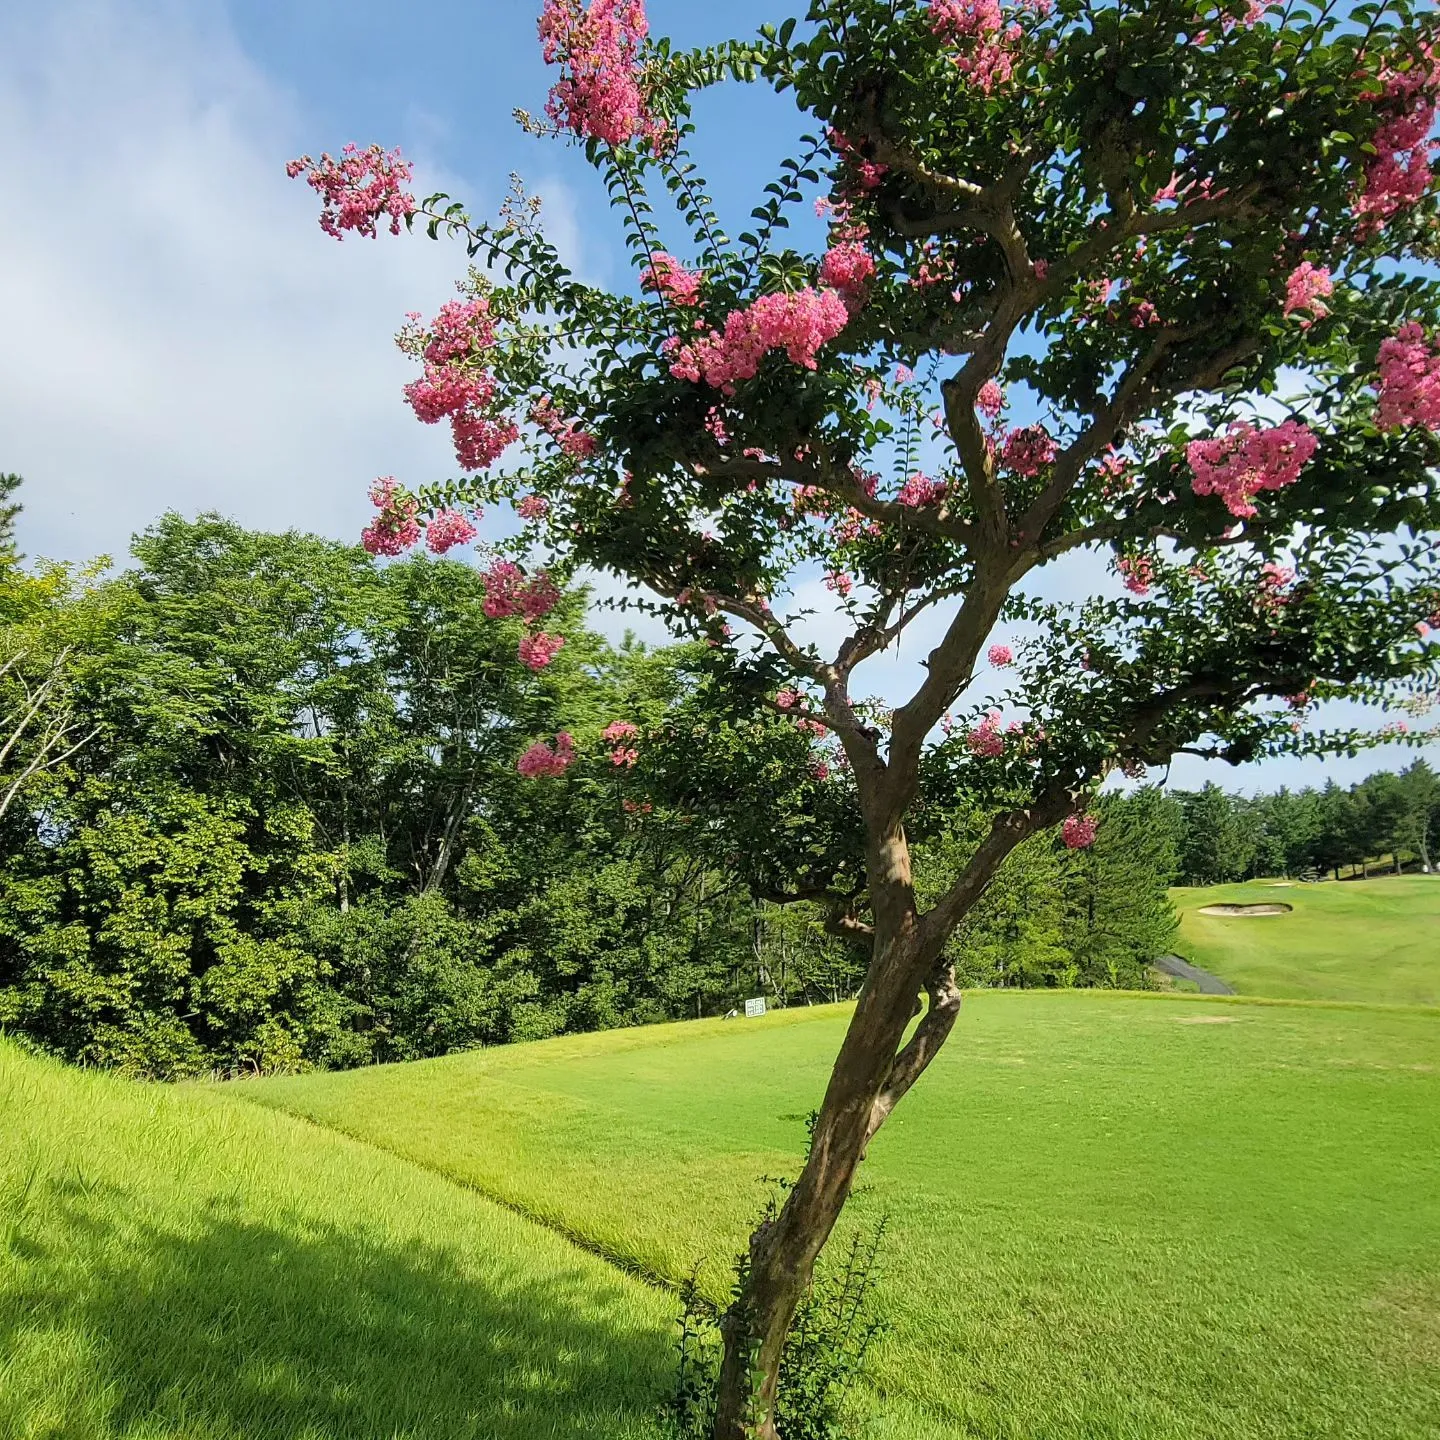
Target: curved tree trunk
[(872, 1073)]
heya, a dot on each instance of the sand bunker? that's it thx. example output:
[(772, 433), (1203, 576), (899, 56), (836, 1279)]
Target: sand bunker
[(1274, 909)]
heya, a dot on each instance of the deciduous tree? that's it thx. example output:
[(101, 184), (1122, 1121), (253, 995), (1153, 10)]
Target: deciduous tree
[(1140, 282)]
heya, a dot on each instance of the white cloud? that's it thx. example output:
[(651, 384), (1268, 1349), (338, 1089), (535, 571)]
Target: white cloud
[(177, 329)]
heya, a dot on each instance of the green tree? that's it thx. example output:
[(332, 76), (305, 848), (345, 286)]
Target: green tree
[(9, 513), (1119, 916), (1139, 227), (1420, 817)]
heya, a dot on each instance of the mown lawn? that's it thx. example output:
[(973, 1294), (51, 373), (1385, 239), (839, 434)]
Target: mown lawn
[(1110, 1216), (179, 1265), (1367, 940)]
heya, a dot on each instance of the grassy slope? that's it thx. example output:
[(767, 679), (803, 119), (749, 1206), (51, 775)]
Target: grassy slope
[(183, 1266), (1369, 940), (1107, 1220)]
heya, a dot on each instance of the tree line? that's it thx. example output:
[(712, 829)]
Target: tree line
[(1390, 820), (259, 809)]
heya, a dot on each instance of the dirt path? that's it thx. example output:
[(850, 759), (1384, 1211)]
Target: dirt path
[(1183, 970)]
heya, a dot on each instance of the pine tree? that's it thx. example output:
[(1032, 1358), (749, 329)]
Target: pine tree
[(9, 513)]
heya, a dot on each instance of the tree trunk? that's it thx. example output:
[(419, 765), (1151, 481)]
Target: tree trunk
[(871, 1073), (783, 1251)]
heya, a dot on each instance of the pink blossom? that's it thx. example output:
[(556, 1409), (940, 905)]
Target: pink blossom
[(868, 174), (447, 529), (991, 400), (480, 440), (820, 770), (1246, 460), (533, 507), (986, 739), (808, 726), (598, 49), (508, 593), (539, 649), (1115, 476), (540, 761), (1306, 289), (848, 269), (358, 189), (920, 490), (566, 433), (539, 597), (1409, 382), (840, 583), (788, 699), (798, 322), (622, 758), (1276, 582), (619, 730), (1145, 315), (989, 47), (666, 275), (460, 329), (1001, 655), (447, 390), (1138, 572), (1027, 451), (1399, 174), (395, 529), (1078, 832), (1041, 269)]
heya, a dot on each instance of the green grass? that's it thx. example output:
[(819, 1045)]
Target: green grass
[(1367, 940), (179, 1265), (1107, 1220)]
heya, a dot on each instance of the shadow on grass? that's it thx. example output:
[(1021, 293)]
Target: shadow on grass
[(308, 1332)]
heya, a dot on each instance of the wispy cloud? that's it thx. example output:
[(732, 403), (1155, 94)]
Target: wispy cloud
[(178, 332)]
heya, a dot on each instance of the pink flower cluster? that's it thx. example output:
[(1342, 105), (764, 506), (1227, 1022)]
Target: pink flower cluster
[(1276, 586), (986, 739), (1078, 832), (1000, 656), (622, 756), (666, 275), (1027, 451), (848, 269), (1246, 460), (598, 49), (452, 387), (462, 328), (839, 582), (537, 650), (1138, 572), (798, 322), (1306, 289), (540, 761), (358, 189), (533, 507), (991, 400), (990, 60), (1409, 382), (567, 434), (868, 173), (789, 699), (447, 529), (395, 529), (1400, 174), (920, 490), (507, 593)]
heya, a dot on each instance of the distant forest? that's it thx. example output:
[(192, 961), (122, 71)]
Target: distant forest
[(1389, 821), (260, 810)]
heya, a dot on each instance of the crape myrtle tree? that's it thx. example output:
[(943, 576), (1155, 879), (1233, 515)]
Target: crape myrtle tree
[(1079, 255)]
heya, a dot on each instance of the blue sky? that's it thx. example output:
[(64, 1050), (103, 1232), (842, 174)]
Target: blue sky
[(178, 332)]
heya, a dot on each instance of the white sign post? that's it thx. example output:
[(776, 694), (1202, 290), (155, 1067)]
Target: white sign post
[(754, 1009)]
